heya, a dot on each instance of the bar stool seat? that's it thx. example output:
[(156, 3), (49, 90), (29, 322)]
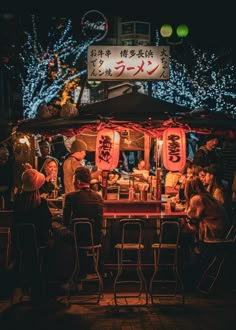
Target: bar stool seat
[(5, 247), (217, 251), (166, 281), (84, 241), (30, 260), (130, 288)]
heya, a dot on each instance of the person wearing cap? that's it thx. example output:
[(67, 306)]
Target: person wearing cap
[(6, 178), (207, 154), (74, 161), (30, 207)]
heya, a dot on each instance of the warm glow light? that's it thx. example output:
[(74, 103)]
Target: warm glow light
[(166, 30), (24, 140), (174, 149), (107, 149)]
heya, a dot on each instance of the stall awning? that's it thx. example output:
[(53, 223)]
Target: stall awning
[(129, 111)]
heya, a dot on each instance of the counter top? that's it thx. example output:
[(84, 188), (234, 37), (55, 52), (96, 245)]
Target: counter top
[(127, 201), (147, 215)]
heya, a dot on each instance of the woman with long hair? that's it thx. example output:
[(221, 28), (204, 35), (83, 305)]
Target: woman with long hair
[(205, 211), (52, 181), (215, 185)]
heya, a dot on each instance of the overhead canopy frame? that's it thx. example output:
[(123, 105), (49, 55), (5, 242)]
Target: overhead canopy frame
[(130, 111)]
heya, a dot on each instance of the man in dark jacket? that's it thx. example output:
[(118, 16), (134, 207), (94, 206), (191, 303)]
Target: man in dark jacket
[(207, 154), (84, 203)]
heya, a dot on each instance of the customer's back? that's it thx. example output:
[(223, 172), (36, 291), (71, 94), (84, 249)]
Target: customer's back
[(84, 202)]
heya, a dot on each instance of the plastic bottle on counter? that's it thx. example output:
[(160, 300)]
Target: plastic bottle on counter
[(131, 193), (167, 206)]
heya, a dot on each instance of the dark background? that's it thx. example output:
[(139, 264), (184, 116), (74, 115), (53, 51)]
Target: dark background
[(210, 24)]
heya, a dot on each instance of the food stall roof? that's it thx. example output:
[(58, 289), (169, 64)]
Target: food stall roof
[(133, 111)]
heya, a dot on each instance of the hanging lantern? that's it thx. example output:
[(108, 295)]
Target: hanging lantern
[(174, 149), (107, 149)]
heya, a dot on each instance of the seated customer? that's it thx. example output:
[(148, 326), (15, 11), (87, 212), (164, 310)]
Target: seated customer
[(207, 221), (30, 207), (215, 185), (207, 214), (52, 181), (84, 203)]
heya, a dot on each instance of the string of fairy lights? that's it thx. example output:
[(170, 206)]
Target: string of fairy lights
[(208, 82), (37, 61), (205, 85)]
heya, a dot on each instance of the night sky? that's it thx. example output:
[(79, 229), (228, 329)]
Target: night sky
[(210, 25)]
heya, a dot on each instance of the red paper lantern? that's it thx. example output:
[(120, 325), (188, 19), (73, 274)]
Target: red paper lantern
[(107, 149), (174, 149)]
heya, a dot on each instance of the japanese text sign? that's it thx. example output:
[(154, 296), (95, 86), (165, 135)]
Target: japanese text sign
[(107, 149), (128, 63), (174, 149)]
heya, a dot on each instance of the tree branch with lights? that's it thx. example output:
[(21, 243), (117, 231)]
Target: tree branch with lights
[(49, 74), (199, 79)]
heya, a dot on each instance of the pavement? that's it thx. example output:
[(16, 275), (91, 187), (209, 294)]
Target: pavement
[(211, 312), (214, 311)]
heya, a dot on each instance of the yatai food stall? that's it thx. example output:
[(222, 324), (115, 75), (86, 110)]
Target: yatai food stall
[(131, 122)]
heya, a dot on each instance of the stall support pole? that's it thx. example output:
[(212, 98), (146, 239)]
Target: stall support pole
[(35, 153), (158, 174), (147, 146), (104, 183)]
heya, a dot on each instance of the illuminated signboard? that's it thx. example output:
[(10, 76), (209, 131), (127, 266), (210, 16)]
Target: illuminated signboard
[(128, 63), (94, 25)]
